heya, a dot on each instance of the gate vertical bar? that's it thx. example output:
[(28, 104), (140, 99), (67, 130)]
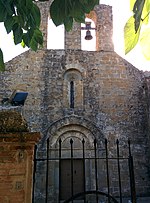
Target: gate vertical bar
[(59, 168), (119, 175), (71, 143), (132, 178), (107, 170), (96, 180), (47, 171), (34, 171), (83, 145)]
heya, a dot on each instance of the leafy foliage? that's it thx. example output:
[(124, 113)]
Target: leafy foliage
[(130, 36), (65, 11), (135, 30), (137, 10), (23, 18)]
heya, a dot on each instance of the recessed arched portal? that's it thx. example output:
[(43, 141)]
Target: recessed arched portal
[(69, 129)]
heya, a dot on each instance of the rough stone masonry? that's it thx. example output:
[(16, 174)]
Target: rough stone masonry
[(110, 94)]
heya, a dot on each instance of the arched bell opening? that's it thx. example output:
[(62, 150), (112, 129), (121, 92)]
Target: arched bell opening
[(88, 35), (55, 36)]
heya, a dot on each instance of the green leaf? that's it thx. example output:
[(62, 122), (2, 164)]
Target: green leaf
[(77, 9), (35, 12), (145, 12), (9, 23), (2, 65), (80, 19), (23, 44), (145, 43), (8, 5), (34, 45), (88, 5), (68, 23), (27, 37), (38, 37), (58, 11), (3, 12), (29, 4), (26, 40), (147, 3), (137, 9), (130, 37), (18, 33), (33, 38), (21, 14)]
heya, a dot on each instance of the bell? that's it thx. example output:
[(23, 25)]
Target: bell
[(88, 35)]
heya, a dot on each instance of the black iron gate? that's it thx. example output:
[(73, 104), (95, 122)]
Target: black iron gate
[(91, 175)]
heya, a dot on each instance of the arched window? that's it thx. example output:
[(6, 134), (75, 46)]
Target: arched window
[(55, 36), (88, 45), (72, 89)]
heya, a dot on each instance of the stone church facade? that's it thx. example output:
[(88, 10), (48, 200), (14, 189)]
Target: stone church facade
[(110, 97)]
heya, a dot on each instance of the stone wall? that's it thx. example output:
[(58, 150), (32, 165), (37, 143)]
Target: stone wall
[(114, 96), (111, 86)]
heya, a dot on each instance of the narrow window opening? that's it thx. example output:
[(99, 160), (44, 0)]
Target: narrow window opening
[(72, 94), (72, 89)]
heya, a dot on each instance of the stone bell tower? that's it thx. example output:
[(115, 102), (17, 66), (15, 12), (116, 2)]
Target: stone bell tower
[(101, 16)]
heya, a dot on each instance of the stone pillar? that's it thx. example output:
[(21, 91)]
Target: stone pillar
[(104, 28), (73, 38), (44, 9), (16, 158)]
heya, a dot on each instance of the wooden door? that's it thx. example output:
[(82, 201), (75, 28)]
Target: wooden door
[(78, 183)]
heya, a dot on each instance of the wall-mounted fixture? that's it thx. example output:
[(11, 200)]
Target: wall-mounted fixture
[(16, 99)]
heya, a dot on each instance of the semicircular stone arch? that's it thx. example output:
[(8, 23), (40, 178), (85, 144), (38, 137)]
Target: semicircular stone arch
[(73, 126)]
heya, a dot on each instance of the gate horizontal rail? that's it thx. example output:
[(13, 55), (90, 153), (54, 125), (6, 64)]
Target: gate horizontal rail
[(57, 159)]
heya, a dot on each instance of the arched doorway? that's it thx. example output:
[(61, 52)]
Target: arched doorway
[(66, 145)]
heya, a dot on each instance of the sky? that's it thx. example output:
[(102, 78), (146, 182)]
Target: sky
[(121, 13)]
